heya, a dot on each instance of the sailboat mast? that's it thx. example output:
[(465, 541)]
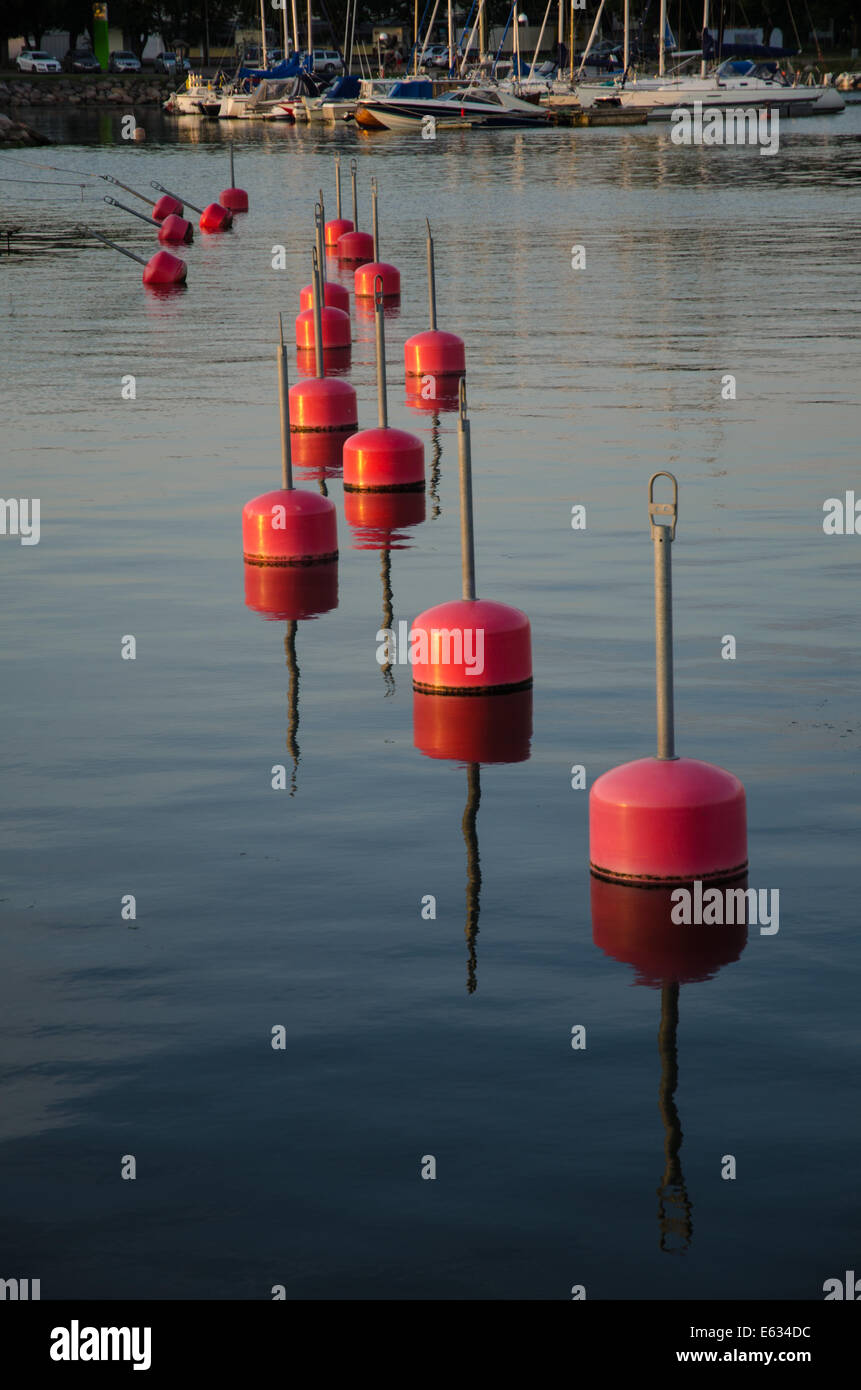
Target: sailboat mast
[(705, 29), (450, 38), (263, 33), (662, 40), (295, 29), (625, 44), (310, 39)]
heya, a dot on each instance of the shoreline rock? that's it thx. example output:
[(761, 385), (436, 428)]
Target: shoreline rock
[(18, 133), (71, 91)]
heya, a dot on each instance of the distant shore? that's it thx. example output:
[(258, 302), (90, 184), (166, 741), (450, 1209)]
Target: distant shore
[(83, 89)]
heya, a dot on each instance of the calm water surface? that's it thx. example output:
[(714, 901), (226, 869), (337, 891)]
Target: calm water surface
[(256, 908)]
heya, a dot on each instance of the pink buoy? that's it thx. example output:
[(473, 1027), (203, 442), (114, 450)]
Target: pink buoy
[(215, 218), (368, 274), (161, 271), (165, 206), (355, 247), (383, 459), (173, 231), (352, 246), (234, 199), (288, 526), (322, 404), (165, 269), (334, 297), (434, 361), (335, 329), (176, 231), (376, 272), (470, 646), (339, 225), (667, 819), (337, 228)]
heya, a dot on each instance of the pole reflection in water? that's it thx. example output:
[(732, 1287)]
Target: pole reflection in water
[(473, 729), (292, 594), (674, 1207), (634, 925)]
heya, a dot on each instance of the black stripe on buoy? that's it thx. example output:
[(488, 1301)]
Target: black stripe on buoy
[(471, 690), (267, 561)]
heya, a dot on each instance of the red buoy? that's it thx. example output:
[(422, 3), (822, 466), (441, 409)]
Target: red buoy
[(339, 225), (666, 819), (165, 269), (166, 206), (173, 231), (470, 646), (216, 218), (368, 274), (322, 404), (213, 218), (661, 820), (383, 459), (334, 297), (176, 231), (335, 329), (376, 272), (235, 199), (353, 246), (434, 361), (337, 228), (288, 526)]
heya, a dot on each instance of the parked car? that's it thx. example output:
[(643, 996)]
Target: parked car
[(81, 60), (36, 60), (121, 61), (327, 62), (171, 63), (436, 56)]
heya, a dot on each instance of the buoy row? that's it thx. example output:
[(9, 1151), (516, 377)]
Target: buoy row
[(289, 526), (165, 270)]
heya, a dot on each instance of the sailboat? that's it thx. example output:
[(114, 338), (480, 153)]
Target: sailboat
[(736, 83)]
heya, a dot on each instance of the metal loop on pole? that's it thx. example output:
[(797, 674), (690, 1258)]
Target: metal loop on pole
[(379, 297), (461, 399), (668, 509)]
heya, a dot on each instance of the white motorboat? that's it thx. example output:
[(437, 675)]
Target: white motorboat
[(485, 106)]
